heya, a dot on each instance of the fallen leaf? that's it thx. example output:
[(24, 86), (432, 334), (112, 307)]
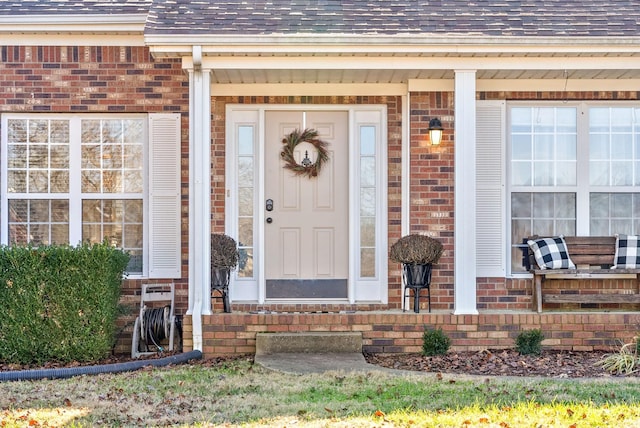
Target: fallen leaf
[(379, 413)]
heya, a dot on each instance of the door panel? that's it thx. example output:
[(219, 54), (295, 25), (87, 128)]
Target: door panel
[(306, 244)]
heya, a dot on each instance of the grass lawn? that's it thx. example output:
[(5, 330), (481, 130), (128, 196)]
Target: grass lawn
[(237, 393)]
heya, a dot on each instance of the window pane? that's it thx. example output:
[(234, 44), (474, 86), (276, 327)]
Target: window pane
[(538, 213), (91, 155), (111, 131), (566, 147), (368, 202), (17, 182), (245, 263), (17, 131), (38, 156), (38, 181), (521, 174), (367, 263), (133, 156), (566, 173), (245, 171), (543, 174), (117, 221), (245, 140), (367, 140), (38, 131), (39, 211), (112, 156), (39, 222), (245, 201), (521, 147), (133, 131), (622, 173), (367, 232), (17, 156), (613, 146), (245, 231), (133, 181), (367, 171), (543, 146), (613, 213)]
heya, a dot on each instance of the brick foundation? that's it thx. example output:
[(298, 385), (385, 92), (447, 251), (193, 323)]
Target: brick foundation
[(401, 332)]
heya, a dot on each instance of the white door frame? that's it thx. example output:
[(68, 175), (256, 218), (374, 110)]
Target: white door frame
[(371, 289)]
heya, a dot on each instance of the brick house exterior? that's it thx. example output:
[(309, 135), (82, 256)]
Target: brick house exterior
[(208, 67)]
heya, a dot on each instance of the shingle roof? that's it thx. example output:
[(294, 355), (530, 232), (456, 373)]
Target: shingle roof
[(613, 18), (73, 7), (386, 17)]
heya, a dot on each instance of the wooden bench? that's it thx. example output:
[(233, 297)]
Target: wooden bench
[(593, 257)]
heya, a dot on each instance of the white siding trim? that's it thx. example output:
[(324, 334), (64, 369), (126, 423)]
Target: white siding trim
[(164, 196), (490, 190)]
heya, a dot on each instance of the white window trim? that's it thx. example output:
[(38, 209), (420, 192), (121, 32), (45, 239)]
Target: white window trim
[(75, 195), (582, 187)]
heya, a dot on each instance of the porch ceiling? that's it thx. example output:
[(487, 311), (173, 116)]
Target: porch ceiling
[(297, 76), (300, 64)]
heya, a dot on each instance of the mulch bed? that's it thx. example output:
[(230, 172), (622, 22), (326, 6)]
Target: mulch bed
[(507, 362), (554, 364)]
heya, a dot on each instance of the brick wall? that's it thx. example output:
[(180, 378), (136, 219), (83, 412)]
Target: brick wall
[(432, 190), (396, 332), (79, 79)]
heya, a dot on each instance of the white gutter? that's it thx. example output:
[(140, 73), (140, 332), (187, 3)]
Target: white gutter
[(65, 24), (418, 44)]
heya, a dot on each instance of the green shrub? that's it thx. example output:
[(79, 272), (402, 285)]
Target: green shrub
[(435, 342), (59, 303), (529, 342)]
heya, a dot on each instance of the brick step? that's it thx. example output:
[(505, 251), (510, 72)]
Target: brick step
[(308, 342)]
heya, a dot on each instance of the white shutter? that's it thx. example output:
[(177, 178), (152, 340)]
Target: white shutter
[(164, 196), (490, 192)]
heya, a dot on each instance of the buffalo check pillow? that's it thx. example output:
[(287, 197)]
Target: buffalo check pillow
[(551, 253), (627, 252)]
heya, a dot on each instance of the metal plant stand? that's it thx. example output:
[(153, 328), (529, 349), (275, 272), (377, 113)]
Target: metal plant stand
[(416, 277)]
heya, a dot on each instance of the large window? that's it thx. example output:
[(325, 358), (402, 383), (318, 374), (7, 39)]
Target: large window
[(574, 170), (75, 178)]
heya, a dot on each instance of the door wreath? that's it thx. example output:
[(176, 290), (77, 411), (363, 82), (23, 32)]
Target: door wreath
[(306, 167)]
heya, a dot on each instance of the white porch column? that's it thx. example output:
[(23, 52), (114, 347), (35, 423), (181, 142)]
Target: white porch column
[(199, 194), (465, 193)]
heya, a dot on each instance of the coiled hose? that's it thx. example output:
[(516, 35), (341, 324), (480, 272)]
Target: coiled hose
[(156, 326)]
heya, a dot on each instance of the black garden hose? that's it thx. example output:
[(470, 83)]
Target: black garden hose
[(156, 326), (62, 373)]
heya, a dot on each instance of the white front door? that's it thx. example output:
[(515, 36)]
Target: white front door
[(306, 231)]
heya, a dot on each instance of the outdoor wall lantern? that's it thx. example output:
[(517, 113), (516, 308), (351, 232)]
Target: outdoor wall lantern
[(435, 131)]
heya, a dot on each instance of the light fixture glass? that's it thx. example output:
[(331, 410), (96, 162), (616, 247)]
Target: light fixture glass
[(435, 131)]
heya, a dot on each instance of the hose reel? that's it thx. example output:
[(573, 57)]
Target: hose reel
[(156, 321)]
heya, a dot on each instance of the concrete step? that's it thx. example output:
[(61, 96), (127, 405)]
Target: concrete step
[(308, 342)]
